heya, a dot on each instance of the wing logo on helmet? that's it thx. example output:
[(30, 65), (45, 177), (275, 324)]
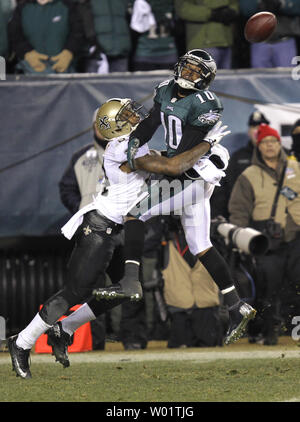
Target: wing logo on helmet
[(195, 70)]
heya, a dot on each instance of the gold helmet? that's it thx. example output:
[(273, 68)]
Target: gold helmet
[(118, 117)]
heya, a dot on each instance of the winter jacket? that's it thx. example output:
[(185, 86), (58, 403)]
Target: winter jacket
[(186, 287), (253, 194), (201, 31), (3, 35), (159, 40), (48, 29), (111, 26), (286, 7), (6, 9)]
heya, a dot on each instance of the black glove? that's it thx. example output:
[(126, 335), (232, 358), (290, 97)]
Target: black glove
[(224, 15), (273, 6)]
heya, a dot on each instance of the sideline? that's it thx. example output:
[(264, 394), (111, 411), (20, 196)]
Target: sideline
[(204, 355)]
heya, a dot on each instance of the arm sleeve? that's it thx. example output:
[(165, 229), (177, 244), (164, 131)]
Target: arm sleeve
[(241, 202), (148, 126), (17, 40)]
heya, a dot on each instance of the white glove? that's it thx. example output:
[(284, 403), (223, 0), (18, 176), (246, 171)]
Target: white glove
[(215, 135), (219, 155)]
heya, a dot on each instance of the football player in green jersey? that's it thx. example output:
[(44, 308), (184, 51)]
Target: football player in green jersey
[(187, 109)]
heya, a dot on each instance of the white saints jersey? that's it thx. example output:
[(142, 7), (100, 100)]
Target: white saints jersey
[(122, 190)]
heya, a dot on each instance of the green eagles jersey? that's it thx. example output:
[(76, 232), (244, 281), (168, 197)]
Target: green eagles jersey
[(199, 109)]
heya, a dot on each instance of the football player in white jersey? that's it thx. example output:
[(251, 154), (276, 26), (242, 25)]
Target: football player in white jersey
[(95, 228)]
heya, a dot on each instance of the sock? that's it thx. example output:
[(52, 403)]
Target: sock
[(217, 267), (133, 247), (27, 337), (76, 319), (102, 306), (231, 297), (134, 240)]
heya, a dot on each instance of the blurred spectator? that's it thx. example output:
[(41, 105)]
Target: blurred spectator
[(107, 29), (263, 200), (238, 162), (281, 46), (209, 27), (192, 298), (84, 174), (46, 36), (6, 10), (155, 46), (296, 139)]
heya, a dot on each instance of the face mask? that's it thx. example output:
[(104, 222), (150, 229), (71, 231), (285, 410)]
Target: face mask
[(296, 142)]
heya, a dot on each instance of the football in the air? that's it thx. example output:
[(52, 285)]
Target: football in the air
[(260, 27)]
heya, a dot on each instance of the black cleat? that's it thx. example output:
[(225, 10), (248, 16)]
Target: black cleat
[(126, 289), (59, 340), (19, 358), (239, 318)]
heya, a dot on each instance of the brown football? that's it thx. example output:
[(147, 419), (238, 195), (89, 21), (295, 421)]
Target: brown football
[(260, 27)]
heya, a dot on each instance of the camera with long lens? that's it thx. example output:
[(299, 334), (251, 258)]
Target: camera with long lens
[(247, 240)]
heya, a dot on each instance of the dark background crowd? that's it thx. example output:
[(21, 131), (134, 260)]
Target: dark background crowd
[(57, 36)]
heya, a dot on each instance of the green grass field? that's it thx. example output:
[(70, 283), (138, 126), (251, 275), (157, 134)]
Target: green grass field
[(181, 375)]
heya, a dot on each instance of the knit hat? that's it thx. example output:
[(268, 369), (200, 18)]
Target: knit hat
[(264, 131), (256, 118)]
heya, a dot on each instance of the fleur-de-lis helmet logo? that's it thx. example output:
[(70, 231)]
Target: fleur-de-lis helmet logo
[(103, 122)]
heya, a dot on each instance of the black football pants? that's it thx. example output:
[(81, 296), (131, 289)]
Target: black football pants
[(95, 242)]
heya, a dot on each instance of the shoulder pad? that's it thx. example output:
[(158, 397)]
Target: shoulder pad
[(161, 85)]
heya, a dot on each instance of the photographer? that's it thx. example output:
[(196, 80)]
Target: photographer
[(266, 196)]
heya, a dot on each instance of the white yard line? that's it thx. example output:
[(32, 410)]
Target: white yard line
[(293, 399), (141, 356)]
